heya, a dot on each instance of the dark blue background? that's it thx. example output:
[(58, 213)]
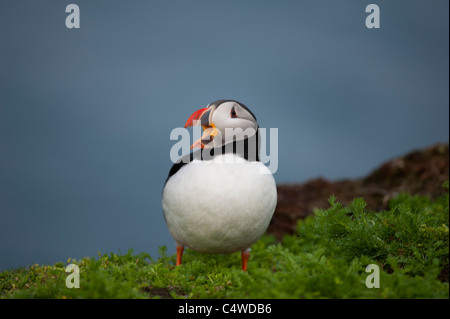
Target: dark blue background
[(85, 115)]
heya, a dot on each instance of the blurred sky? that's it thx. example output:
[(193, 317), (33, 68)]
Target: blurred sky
[(86, 114)]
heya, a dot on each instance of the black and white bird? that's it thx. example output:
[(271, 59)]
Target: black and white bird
[(220, 198)]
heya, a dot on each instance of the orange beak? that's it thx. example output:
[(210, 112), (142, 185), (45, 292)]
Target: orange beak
[(209, 130), (196, 116)]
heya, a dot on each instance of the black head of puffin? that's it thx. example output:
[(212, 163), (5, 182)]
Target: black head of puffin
[(219, 116)]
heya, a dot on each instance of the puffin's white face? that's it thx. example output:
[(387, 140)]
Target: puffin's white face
[(223, 122)]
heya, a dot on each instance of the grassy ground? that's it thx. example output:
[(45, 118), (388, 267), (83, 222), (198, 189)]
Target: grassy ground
[(328, 259)]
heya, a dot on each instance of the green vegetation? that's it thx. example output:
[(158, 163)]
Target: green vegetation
[(409, 242)]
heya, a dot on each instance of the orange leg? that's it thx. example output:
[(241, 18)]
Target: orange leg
[(180, 250), (245, 255)]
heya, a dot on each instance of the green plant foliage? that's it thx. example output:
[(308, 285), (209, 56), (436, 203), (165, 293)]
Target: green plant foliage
[(326, 259)]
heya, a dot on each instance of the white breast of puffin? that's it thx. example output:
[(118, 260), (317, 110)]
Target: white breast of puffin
[(219, 206)]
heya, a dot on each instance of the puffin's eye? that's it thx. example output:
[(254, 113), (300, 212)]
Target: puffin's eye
[(233, 113)]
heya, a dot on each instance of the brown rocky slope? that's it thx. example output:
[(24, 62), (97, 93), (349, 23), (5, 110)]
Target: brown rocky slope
[(420, 172)]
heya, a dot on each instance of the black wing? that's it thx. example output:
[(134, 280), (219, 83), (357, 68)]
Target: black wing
[(181, 162)]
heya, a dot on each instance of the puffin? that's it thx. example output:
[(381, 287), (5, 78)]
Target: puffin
[(220, 198)]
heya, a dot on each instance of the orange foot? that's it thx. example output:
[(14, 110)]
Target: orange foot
[(180, 250), (245, 255)]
